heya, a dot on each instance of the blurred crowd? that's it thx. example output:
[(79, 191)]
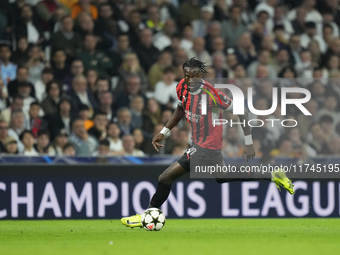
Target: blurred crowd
[(98, 78)]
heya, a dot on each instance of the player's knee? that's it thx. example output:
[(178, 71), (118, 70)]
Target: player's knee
[(164, 178)]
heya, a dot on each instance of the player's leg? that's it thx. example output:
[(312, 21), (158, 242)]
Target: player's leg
[(171, 174), (165, 180)]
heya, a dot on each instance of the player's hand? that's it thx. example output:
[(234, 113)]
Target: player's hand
[(249, 152), (156, 141)]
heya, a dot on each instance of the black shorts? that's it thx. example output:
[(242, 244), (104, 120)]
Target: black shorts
[(198, 156)]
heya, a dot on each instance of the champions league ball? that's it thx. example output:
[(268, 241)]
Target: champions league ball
[(153, 219)]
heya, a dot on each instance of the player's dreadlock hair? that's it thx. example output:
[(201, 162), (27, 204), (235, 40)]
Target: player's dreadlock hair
[(193, 62)]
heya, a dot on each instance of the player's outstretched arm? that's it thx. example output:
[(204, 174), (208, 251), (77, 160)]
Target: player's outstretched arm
[(249, 150), (175, 118)]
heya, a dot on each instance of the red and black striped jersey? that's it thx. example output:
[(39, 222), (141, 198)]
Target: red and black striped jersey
[(203, 131)]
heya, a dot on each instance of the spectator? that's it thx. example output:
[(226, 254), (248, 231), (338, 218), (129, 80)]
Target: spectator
[(92, 77), (8, 69), (146, 52), (101, 85), (189, 10), (319, 138), (94, 59), (183, 139), (305, 68), (198, 51), (106, 105), (131, 67), (314, 49), (84, 114), (231, 64), (62, 119), (22, 76), (165, 90), (298, 144), (327, 125), (123, 47), (281, 60), (17, 104), (156, 71), (218, 65), (163, 38), (187, 37), (268, 6), (10, 146), (3, 134), (136, 109), (129, 147), (35, 63), (35, 123), (4, 101), (50, 103), (264, 58), (20, 56), (312, 107), (43, 141), (24, 91), (233, 28), (124, 121), (151, 116), (40, 86), (330, 109), (310, 34), (99, 129), (333, 147), (153, 21), (85, 144), (213, 31), (140, 141), (59, 143), (135, 26), (61, 68), (66, 39), (46, 10), (28, 27), (285, 149), (232, 146), (69, 150), (334, 49), (218, 45), (299, 23), (27, 139), (133, 89), (113, 132), (311, 13), (84, 6), (81, 95), (103, 151), (294, 49), (77, 68), (85, 25), (200, 25)]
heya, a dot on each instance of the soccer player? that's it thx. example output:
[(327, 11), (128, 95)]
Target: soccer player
[(206, 139)]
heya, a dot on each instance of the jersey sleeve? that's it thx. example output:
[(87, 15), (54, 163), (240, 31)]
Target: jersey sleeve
[(226, 102), (179, 92)]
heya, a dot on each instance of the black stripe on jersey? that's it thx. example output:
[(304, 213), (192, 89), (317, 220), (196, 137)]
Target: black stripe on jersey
[(196, 112)]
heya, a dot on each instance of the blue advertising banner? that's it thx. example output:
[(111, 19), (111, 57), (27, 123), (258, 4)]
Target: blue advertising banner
[(112, 191)]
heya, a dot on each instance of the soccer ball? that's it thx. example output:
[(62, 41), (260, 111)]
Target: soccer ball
[(153, 219)]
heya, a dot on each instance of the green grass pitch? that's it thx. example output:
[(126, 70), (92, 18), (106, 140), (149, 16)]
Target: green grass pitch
[(195, 236)]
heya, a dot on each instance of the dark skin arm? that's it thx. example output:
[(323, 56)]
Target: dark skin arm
[(249, 150), (175, 118)]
